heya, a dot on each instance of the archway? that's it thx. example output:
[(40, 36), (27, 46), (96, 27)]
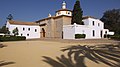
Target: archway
[(43, 32)]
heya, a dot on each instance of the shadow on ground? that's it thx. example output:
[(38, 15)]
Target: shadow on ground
[(108, 54), (3, 63), (1, 45)]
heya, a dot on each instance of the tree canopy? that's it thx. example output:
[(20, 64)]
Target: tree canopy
[(77, 13), (4, 30), (15, 31), (111, 19)]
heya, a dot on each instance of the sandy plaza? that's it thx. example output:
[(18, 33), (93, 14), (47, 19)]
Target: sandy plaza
[(32, 53)]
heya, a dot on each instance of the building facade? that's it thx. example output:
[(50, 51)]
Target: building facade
[(59, 26), (93, 29), (52, 26), (28, 29)]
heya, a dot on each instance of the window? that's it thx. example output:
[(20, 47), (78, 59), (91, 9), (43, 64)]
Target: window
[(68, 12), (98, 24), (105, 32), (58, 13), (27, 34), (93, 23), (23, 29), (29, 29), (21, 34), (35, 30), (93, 33)]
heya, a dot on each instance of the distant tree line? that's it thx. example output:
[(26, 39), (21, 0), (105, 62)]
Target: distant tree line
[(111, 19), (4, 30)]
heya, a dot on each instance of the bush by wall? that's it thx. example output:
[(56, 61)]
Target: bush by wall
[(77, 36), (108, 36), (12, 38), (115, 37)]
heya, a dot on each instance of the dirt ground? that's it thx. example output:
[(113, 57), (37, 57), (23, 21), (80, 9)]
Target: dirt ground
[(31, 53)]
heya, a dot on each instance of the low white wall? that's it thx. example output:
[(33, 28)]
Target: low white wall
[(68, 32), (71, 30)]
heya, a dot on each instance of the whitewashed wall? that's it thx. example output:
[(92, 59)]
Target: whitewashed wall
[(68, 32), (90, 25), (32, 34)]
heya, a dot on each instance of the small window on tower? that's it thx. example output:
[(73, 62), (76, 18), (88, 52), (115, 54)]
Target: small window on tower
[(68, 12), (58, 13)]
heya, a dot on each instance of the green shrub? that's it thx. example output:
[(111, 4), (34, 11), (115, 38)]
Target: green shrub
[(108, 36), (115, 37), (12, 38), (77, 36)]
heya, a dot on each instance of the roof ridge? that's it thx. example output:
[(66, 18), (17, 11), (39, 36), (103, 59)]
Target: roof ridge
[(21, 22)]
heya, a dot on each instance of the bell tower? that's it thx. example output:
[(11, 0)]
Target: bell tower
[(64, 5), (64, 10)]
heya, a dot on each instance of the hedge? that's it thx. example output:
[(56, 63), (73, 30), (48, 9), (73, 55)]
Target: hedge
[(115, 37), (12, 38), (77, 36)]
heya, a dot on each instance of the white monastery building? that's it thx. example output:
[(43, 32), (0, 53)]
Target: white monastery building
[(28, 29), (59, 26), (92, 28)]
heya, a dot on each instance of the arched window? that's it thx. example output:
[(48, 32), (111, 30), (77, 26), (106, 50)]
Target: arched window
[(93, 33), (98, 24), (93, 23)]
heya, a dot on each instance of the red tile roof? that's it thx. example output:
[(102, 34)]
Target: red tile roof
[(21, 23)]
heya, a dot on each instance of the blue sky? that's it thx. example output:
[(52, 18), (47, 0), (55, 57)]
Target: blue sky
[(32, 10)]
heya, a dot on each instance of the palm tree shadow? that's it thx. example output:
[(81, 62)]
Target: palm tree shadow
[(108, 54), (64, 61), (1, 45), (3, 63)]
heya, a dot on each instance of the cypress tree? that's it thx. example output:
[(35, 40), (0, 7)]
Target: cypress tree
[(77, 14), (10, 17)]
